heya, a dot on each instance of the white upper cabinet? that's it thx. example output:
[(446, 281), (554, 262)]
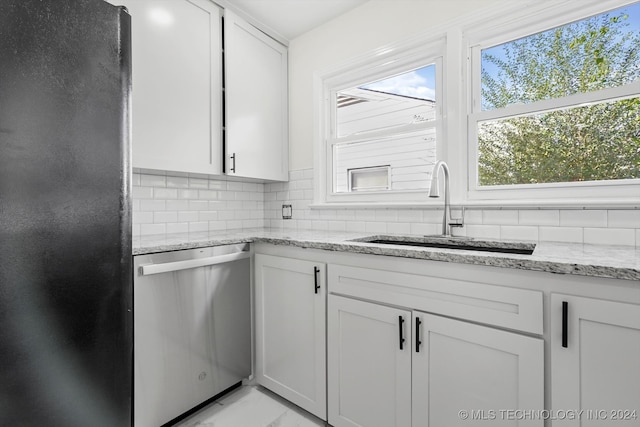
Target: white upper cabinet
[(177, 85), (256, 102)]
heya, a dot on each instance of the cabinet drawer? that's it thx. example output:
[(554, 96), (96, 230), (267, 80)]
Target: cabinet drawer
[(516, 309)]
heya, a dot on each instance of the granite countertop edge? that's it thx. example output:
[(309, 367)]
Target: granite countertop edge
[(576, 259)]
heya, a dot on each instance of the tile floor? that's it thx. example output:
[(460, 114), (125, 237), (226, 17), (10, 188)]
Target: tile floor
[(251, 406)]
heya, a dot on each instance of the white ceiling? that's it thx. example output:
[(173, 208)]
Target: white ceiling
[(290, 18)]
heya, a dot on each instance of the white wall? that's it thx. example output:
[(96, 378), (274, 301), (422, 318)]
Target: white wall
[(373, 25)]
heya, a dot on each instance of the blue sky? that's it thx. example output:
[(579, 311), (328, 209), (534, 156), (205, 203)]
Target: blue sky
[(418, 83)]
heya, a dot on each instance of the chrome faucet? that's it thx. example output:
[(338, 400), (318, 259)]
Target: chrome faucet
[(434, 191)]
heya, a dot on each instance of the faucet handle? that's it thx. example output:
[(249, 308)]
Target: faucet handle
[(457, 222)]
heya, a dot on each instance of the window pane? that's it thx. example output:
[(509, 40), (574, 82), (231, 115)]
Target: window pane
[(595, 53), (391, 102), (588, 143), (410, 157)]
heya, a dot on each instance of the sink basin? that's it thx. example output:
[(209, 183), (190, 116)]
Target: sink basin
[(458, 243)]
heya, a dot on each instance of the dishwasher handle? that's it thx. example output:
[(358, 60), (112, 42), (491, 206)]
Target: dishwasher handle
[(167, 267)]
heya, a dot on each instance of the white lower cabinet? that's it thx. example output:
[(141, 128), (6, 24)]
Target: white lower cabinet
[(391, 367), (290, 297), (595, 361), (369, 375), (489, 373)]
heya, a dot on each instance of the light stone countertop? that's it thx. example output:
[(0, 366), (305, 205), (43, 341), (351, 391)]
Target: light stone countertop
[(616, 262)]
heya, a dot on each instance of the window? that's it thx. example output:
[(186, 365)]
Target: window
[(534, 105), (559, 108), (384, 127)]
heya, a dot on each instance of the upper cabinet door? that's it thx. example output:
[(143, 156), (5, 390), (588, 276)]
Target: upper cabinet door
[(177, 85), (256, 102)]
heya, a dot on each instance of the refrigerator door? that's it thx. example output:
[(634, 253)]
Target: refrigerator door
[(65, 241)]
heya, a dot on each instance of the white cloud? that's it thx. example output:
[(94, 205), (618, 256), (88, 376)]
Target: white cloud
[(408, 84)]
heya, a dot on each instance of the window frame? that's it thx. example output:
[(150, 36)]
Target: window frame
[(456, 142), (501, 31), (388, 61)]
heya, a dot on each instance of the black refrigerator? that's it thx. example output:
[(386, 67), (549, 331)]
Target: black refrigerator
[(66, 332)]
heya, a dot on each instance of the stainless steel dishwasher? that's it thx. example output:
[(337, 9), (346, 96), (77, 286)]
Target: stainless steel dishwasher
[(192, 329)]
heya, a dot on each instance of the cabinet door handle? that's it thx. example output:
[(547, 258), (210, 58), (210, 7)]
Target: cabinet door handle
[(316, 270), (233, 163), (400, 323), (418, 342), (565, 324)]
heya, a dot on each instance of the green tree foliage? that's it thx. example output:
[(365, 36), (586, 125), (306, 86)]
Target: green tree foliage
[(585, 143)]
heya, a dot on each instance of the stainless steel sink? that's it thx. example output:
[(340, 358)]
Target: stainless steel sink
[(458, 243)]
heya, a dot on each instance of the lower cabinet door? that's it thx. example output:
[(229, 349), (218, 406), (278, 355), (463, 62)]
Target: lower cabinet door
[(595, 361), (369, 367), (469, 375), (290, 330)]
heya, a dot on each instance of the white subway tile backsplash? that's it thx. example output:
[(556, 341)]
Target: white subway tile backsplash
[(153, 180), (483, 231), (152, 205), (198, 183), (539, 217), (200, 204), (151, 229), (296, 175), (165, 193), (518, 232), (499, 217), (217, 185), (421, 229), (178, 227), (410, 215), (177, 182), (234, 186), (187, 194), (583, 218), (432, 216), (561, 234), (473, 217), (165, 216), (195, 227), (142, 193), (207, 215), (365, 215), (399, 228), (609, 236), (207, 195), (623, 219), (142, 217), (386, 215), (188, 216), (337, 225)]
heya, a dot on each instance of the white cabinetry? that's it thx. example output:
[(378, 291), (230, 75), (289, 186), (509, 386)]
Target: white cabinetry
[(177, 85), (390, 364), (595, 357), (369, 375), (290, 330), (462, 366), (256, 100)]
